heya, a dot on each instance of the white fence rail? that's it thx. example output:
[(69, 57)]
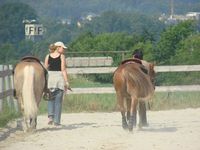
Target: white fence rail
[(178, 68), (6, 81), (89, 61), (101, 90), (93, 70)]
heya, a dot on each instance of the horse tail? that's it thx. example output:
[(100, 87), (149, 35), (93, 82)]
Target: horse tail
[(30, 106), (137, 83)]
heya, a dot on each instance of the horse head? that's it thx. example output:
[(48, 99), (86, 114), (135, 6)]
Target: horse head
[(150, 70)]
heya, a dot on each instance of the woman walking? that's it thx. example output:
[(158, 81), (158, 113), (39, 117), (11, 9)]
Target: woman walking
[(57, 81)]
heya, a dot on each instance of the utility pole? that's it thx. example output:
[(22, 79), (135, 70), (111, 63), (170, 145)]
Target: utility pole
[(172, 8)]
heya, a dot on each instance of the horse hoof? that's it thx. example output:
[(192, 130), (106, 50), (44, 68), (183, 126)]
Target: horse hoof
[(130, 129), (124, 123), (125, 127), (128, 116), (143, 124)]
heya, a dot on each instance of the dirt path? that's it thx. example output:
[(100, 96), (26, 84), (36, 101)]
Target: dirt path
[(174, 130)]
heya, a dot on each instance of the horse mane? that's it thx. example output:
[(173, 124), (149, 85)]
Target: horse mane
[(30, 59), (132, 60)]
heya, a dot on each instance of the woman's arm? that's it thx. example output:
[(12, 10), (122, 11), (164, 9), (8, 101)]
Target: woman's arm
[(46, 64), (63, 69)]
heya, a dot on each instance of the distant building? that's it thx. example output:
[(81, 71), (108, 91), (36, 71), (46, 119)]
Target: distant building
[(193, 15), (65, 21), (173, 19), (33, 30), (79, 24)]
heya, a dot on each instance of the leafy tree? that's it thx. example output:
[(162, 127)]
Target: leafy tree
[(188, 51), (170, 40), (148, 50), (6, 53), (57, 31), (131, 23), (83, 43), (24, 48), (11, 25), (103, 42), (78, 8)]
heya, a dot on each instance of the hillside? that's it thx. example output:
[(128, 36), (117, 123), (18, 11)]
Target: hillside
[(78, 8)]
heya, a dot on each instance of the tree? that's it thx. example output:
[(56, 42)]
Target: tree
[(131, 23), (6, 53), (83, 43), (103, 42), (148, 50), (11, 24), (170, 40), (188, 51)]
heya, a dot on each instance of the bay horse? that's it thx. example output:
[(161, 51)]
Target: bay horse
[(134, 83), (29, 83)]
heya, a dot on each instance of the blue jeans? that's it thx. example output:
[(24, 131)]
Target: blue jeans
[(55, 106)]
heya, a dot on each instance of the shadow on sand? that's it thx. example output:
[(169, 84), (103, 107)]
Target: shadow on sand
[(65, 127)]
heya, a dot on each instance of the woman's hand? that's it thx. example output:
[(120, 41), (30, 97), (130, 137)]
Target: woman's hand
[(67, 86)]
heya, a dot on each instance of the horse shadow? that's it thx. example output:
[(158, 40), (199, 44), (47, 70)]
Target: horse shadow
[(65, 127), (12, 130), (166, 129), (158, 129)]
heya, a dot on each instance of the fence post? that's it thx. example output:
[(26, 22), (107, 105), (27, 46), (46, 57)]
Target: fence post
[(1, 89), (123, 56), (12, 88), (7, 87)]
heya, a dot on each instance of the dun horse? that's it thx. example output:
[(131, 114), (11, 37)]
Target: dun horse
[(29, 83), (133, 85)]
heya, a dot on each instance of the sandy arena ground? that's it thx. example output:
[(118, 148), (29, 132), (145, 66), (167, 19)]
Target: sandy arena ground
[(168, 130)]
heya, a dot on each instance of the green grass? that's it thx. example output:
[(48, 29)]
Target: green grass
[(81, 81), (7, 114), (89, 102), (85, 103), (175, 100), (107, 103)]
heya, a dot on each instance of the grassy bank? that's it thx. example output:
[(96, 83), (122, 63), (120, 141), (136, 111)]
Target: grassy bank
[(7, 114), (107, 103)]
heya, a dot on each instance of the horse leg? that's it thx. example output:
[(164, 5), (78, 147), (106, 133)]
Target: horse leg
[(25, 125), (122, 110), (133, 113), (33, 123), (142, 114), (124, 122), (128, 106)]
